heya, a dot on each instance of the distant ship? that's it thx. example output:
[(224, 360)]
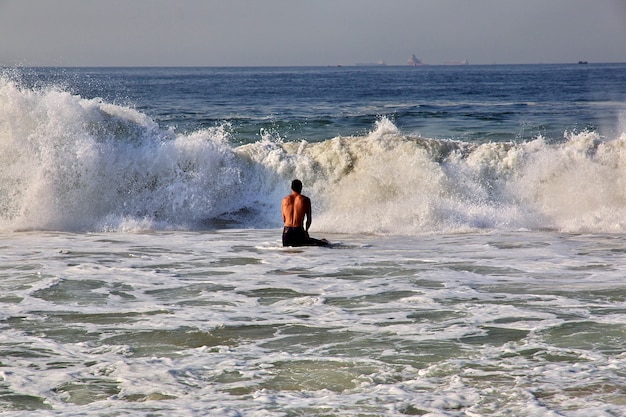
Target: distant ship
[(415, 61)]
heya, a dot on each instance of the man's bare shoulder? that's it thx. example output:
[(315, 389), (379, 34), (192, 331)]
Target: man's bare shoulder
[(304, 198)]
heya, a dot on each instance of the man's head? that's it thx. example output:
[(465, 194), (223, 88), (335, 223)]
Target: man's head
[(296, 185)]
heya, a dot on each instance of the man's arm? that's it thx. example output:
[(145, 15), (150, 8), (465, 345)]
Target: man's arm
[(283, 210), (308, 213), (283, 206)]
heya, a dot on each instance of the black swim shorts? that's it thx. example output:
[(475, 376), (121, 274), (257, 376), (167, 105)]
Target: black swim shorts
[(295, 236)]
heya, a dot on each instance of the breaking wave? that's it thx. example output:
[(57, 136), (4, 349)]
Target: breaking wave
[(74, 164)]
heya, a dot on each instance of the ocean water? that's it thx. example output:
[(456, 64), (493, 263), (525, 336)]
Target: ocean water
[(477, 216)]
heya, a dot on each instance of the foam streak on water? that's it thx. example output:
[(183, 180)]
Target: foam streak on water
[(229, 323)]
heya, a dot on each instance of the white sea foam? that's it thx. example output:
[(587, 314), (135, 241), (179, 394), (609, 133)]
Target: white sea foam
[(197, 323)]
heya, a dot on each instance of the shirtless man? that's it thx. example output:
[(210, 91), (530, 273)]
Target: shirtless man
[(295, 208)]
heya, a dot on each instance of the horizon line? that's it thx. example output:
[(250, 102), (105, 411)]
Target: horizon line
[(357, 65)]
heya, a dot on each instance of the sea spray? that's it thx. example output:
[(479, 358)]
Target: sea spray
[(405, 185), (70, 163), (579, 184)]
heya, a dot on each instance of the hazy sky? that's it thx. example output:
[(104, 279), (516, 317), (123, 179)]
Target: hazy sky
[(308, 32)]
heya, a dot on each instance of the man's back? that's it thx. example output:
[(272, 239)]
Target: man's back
[(295, 207)]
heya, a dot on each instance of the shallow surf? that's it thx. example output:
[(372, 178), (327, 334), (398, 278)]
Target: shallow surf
[(228, 322)]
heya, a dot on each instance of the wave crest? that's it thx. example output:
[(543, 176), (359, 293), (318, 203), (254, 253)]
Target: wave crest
[(69, 163)]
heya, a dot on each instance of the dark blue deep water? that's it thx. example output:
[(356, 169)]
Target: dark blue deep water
[(467, 103)]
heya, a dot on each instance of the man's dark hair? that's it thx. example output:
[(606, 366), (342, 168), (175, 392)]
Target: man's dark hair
[(296, 185)]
